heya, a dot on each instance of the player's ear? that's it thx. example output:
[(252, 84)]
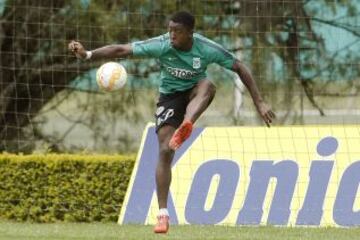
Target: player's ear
[(191, 31)]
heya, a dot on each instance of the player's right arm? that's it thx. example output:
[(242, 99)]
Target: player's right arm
[(152, 47), (109, 51)]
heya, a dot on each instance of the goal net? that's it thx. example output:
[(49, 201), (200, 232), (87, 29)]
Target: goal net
[(303, 54)]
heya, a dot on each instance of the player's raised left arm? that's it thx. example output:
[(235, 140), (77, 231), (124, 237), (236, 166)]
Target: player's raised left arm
[(246, 77)]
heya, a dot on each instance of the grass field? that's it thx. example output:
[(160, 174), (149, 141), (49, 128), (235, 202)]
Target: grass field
[(12, 230)]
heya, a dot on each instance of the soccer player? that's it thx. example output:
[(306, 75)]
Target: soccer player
[(185, 90)]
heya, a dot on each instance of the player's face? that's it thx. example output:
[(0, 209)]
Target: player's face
[(180, 36)]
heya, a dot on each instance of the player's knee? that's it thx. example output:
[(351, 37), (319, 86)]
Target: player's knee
[(165, 156), (165, 151)]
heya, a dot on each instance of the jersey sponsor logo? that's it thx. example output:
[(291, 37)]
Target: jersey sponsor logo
[(181, 73), (196, 63)]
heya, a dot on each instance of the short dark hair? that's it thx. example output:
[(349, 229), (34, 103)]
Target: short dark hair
[(185, 18)]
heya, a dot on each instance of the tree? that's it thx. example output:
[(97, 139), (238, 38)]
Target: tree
[(34, 59)]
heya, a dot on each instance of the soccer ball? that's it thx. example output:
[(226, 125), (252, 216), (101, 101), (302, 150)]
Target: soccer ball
[(111, 76)]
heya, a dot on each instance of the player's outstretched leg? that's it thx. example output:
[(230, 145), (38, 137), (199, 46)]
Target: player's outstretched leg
[(200, 98)]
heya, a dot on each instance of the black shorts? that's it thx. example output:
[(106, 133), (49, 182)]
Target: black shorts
[(171, 108)]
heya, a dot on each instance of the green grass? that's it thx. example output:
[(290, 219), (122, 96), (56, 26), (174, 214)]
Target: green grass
[(12, 230)]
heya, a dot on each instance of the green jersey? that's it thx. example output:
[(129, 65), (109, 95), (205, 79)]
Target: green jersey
[(181, 70)]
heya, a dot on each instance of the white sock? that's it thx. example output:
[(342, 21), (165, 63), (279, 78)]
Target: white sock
[(163, 212)]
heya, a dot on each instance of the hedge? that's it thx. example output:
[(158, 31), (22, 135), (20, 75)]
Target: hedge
[(51, 188)]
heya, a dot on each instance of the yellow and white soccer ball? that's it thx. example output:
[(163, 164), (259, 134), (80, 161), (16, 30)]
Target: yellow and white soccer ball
[(111, 76)]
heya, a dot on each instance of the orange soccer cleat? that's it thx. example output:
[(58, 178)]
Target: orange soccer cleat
[(180, 135), (162, 225)]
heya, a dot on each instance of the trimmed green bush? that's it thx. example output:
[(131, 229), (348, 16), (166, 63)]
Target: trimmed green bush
[(51, 187)]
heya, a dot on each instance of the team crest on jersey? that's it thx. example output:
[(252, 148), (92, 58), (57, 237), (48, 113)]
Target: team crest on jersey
[(196, 63)]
